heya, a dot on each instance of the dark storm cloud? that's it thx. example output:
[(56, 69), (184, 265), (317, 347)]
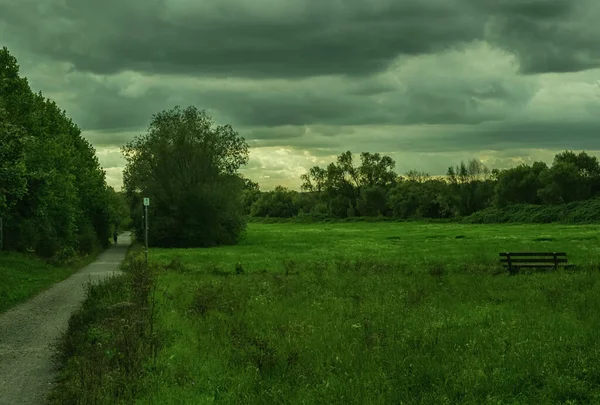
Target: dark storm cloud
[(297, 39), (547, 35), (534, 9), (552, 135), (230, 38), (438, 101), (108, 111), (514, 134)]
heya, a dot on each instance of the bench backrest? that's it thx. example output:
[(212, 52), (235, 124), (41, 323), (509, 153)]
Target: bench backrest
[(526, 254), (533, 257)]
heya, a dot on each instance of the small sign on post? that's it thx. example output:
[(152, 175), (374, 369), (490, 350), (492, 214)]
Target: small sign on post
[(146, 204)]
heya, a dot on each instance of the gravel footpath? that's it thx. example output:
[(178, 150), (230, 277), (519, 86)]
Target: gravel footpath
[(26, 331)]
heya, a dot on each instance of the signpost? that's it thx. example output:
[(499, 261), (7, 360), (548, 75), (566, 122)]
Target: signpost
[(146, 204)]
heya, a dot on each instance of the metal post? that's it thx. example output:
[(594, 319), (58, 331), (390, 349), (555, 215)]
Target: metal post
[(146, 230)]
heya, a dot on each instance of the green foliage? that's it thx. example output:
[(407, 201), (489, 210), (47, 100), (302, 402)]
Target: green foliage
[(250, 195), (118, 210), (579, 212), (278, 203), (53, 194), (520, 185), (188, 168), (343, 190)]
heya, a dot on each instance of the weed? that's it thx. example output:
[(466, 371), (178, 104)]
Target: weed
[(436, 270), (211, 296), (101, 358), (176, 265), (290, 267)]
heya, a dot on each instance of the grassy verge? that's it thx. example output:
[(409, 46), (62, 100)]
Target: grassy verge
[(24, 276), (109, 340)]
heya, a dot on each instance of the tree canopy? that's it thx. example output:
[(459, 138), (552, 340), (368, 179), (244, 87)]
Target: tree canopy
[(188, 167), (53, 195)]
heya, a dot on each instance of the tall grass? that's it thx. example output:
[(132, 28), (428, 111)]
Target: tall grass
[(371, 332), (105, 351)]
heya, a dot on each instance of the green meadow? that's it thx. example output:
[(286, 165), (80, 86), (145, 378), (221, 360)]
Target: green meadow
[(378, 313), (347, 313)]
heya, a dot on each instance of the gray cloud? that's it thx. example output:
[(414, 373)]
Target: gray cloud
[(299, 39), (548, 36), (230, 38), (413, 91)]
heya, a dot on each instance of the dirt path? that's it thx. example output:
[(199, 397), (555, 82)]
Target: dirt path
[(27, 331)]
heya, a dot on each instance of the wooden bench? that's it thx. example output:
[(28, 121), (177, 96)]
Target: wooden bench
[(513, 261)]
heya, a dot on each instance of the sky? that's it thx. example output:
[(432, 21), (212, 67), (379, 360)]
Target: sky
[(427, 82)]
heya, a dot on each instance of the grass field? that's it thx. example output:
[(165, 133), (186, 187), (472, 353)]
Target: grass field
[(378, 313), (24, 276)]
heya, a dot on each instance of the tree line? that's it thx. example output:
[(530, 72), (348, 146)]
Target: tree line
[(54, 200), (371, 188)]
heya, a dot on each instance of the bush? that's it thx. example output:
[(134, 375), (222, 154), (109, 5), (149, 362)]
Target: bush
[(580, 212)]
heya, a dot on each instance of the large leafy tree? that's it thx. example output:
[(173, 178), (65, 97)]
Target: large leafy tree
[(471, 186), (189, 169), (572, 177), (520, 184), (53, 194), (350, 190)]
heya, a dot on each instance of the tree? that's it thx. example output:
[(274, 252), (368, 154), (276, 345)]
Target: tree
[(562, 184), (250, 194), (471, 186), (278, 203), (520, 184), (372, 201), (189, 169), (584, 177), (314, 181), (13, 181), (53, 193), (587, 166), (120, 217), (376, 170)]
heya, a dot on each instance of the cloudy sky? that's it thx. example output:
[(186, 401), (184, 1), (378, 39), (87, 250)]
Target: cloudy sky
[(428, 82)]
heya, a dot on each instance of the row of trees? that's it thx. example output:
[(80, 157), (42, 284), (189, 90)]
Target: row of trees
[(54, 199), (372, 188)]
